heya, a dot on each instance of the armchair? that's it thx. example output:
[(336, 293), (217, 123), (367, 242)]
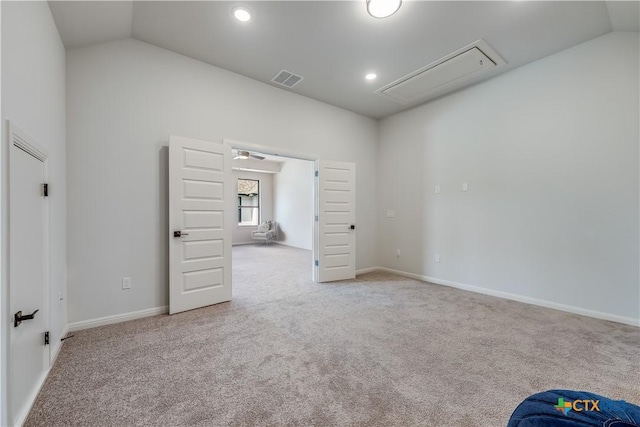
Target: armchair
[(266, 232)]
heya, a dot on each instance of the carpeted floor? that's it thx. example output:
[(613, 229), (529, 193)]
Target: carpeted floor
[(380, 350)]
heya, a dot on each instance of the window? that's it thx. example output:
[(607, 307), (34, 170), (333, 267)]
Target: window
[(248, 202)]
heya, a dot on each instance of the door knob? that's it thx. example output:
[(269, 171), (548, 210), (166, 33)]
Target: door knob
[(179, 234), (19, 318), (353, 227)]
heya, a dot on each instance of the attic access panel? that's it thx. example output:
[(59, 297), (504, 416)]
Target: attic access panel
[(457, 67)]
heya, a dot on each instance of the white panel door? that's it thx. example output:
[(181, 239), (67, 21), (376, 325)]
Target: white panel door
[(336, 221), (200, 219), (28, 283)]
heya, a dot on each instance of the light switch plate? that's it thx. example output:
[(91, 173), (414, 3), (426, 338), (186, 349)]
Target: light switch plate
[(126, 283), (391, 213), (437, 189)]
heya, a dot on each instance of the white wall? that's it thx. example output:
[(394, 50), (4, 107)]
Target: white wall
[(550, 154), (293, 203), (242, 234), (33, 96), (123, 100)]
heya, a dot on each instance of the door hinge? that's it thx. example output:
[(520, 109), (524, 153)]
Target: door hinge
[(46, 338), (316, 173), (45, 190), (316, 263)]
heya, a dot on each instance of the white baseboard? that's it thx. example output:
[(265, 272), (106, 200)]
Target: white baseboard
[(55, 350), (22, 415), (117, 318), (244, 243), (290, 246), (367, 270), (520, 298)]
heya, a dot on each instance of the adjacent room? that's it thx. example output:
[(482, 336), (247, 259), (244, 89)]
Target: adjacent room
[(329, 213), (272, 240)]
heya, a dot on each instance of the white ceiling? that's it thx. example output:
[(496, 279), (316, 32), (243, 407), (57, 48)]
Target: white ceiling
[(332, 44)]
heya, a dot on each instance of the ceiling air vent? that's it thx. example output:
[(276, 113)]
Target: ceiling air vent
[(286, 79), (448, 73)]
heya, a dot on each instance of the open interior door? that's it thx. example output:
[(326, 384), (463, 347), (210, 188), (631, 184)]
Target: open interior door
[(336, 221), (200, 190)]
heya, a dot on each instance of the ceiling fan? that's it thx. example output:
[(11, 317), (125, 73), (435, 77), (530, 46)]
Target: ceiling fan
[(243, 155)]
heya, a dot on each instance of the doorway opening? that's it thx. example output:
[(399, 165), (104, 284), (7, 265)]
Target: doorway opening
[(273, 231), (205, 202)]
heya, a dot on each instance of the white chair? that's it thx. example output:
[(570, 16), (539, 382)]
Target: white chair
[(266, 232)]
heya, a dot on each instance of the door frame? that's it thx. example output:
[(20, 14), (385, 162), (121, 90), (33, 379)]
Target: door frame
[(273, 151), (19, 140)]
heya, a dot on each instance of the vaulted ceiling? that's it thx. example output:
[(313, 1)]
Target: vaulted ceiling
[(333, 44)]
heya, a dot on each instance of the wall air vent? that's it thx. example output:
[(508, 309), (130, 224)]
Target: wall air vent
[(451, 72), (287, 79)]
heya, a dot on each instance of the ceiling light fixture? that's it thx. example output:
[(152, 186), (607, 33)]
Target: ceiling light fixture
[(383, 8), (243, 155), (242, 14), (370, 76)]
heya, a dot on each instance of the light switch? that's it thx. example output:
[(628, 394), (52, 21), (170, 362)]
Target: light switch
[(465, 186), (437, 189)]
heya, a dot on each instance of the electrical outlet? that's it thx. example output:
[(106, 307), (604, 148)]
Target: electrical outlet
[(126, 283), (437, 189), (398, 253), (437, 257)]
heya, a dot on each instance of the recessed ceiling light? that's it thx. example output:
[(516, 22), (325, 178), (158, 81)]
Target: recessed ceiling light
[(371, 76), (242, 14), (383, 8)]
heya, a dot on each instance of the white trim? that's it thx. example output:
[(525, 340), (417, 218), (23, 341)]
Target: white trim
[(268, 150), (20, 139), (117, 318), (55, 349), (291, 246), (21, 417), (367, 270), (245, 243), (520, 298)]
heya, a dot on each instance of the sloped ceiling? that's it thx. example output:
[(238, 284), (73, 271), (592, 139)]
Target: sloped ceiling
[(333, 44)]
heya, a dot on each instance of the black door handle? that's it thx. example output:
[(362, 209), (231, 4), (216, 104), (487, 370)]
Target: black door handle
[(19, 318), (353, 227)]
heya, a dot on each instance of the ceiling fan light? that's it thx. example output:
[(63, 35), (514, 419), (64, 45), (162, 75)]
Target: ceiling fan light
[(383, 8)]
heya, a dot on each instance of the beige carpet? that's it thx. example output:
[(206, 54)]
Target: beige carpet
[(377, 351)]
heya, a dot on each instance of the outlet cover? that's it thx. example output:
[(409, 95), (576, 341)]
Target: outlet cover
[(437, 257)]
